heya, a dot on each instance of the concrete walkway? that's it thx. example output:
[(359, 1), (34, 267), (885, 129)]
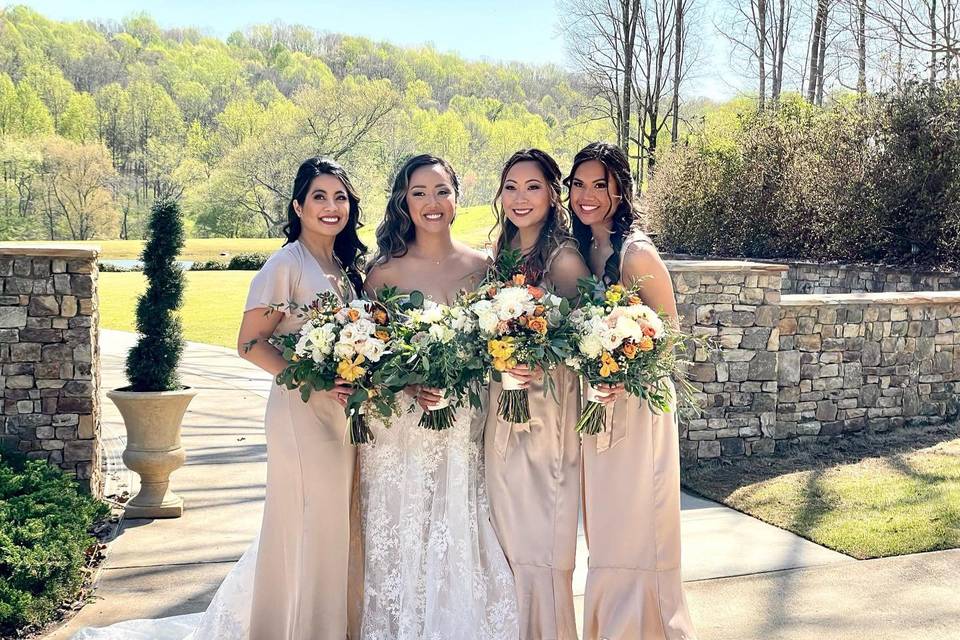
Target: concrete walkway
[(744, 579)]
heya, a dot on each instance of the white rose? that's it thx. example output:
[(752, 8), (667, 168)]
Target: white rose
[(344, 350), (432, 315), (488, 321), (591, 346), (441, 333), (373, 349)]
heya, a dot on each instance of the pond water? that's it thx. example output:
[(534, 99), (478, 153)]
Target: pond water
[(130, 264)]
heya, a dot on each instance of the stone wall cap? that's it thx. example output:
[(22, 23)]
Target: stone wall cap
[(50, 249), (734, 266), (894, 297)]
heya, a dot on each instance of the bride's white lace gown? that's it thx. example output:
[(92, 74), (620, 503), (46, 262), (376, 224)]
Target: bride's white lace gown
[(433, 567)]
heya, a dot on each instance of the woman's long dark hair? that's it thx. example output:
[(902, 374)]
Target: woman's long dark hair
[(396, 230), (617, 167), (347, 247), (556, 226)]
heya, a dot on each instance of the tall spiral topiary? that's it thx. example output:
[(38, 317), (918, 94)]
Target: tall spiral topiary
[(152, 363)]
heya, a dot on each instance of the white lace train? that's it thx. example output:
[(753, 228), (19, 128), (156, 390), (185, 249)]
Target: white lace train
[(226, 618), (433, 567)]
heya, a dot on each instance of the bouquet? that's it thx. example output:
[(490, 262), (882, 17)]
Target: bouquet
[(519, 324), (433, 345), (338, 341), (621, 340)]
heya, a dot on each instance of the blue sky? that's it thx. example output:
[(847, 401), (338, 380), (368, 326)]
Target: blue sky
[(523, 30)]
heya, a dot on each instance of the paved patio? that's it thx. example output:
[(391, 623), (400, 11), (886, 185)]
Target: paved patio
[(744, 579)]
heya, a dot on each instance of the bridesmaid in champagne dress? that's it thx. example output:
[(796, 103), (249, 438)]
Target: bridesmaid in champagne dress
[(300, 589), (533, 469), (295, 581), (631, 470)]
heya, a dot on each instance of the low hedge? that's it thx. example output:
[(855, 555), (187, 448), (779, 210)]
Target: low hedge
[(45, 523)]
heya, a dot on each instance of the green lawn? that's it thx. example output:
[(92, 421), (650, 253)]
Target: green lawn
[(471, 226), (212, 308), (851, 497)]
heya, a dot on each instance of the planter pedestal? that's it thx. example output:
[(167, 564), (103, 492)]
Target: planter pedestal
[(153, 421)]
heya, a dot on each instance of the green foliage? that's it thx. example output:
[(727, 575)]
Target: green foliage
[(152, 363), (873, 180), (247, 261), (222, 125), (44, 524)]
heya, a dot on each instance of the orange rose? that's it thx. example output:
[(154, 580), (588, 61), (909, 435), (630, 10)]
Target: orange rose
[(538, 324), (519, 279), (380, 316), (649, 332), (646, 343), (630, 350), (634, 300), (536, 292), (353, 314), (383, 335)]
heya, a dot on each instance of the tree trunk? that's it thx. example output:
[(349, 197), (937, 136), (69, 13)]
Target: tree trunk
[(779, 51), (762, 49), (815, 50), (933, 42), (862, 47), (629, 11), (821, 61), (677, 67)]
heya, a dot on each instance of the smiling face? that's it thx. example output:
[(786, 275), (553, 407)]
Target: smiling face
[(526, 195), (326, 207), (431, 199), (593, 196)]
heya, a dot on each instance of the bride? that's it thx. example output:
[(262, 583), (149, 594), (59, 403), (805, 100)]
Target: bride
[(433, 567)]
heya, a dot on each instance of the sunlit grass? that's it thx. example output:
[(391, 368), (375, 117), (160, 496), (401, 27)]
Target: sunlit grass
[(886, 505)]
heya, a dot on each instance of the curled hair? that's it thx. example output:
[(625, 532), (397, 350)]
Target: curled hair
[(617, 167), (556, 226), (347, 246), (396, 231)]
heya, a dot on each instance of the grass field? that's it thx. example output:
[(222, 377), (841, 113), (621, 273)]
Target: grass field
[(211, 312), (471, 226), (869, 498)]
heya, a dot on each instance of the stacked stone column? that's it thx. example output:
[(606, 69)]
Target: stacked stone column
[(735, 305), (48, 349)]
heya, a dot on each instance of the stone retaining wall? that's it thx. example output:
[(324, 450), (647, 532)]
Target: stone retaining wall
[(867, 361), (798, 368), (803, 277), (49, 352)]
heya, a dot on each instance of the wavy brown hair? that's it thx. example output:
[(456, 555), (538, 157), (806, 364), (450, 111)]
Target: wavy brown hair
[(624, 218), (556, 226), (396, 231)]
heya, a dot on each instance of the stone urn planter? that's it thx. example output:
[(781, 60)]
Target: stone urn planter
[(153, 451)]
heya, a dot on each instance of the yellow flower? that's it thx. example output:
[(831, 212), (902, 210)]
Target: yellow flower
[(519, 279), (501, 349), (504, 364), (538, 324), (615, 294), (646, 343), (607, 364), (351, 370)]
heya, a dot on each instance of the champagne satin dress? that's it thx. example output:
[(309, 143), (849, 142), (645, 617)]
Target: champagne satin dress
[(631, 474), (303, 574), (533, 480)]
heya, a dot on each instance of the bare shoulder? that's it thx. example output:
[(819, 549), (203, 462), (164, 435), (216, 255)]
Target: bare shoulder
[(379, 276), (473, 258), (641, 259)]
